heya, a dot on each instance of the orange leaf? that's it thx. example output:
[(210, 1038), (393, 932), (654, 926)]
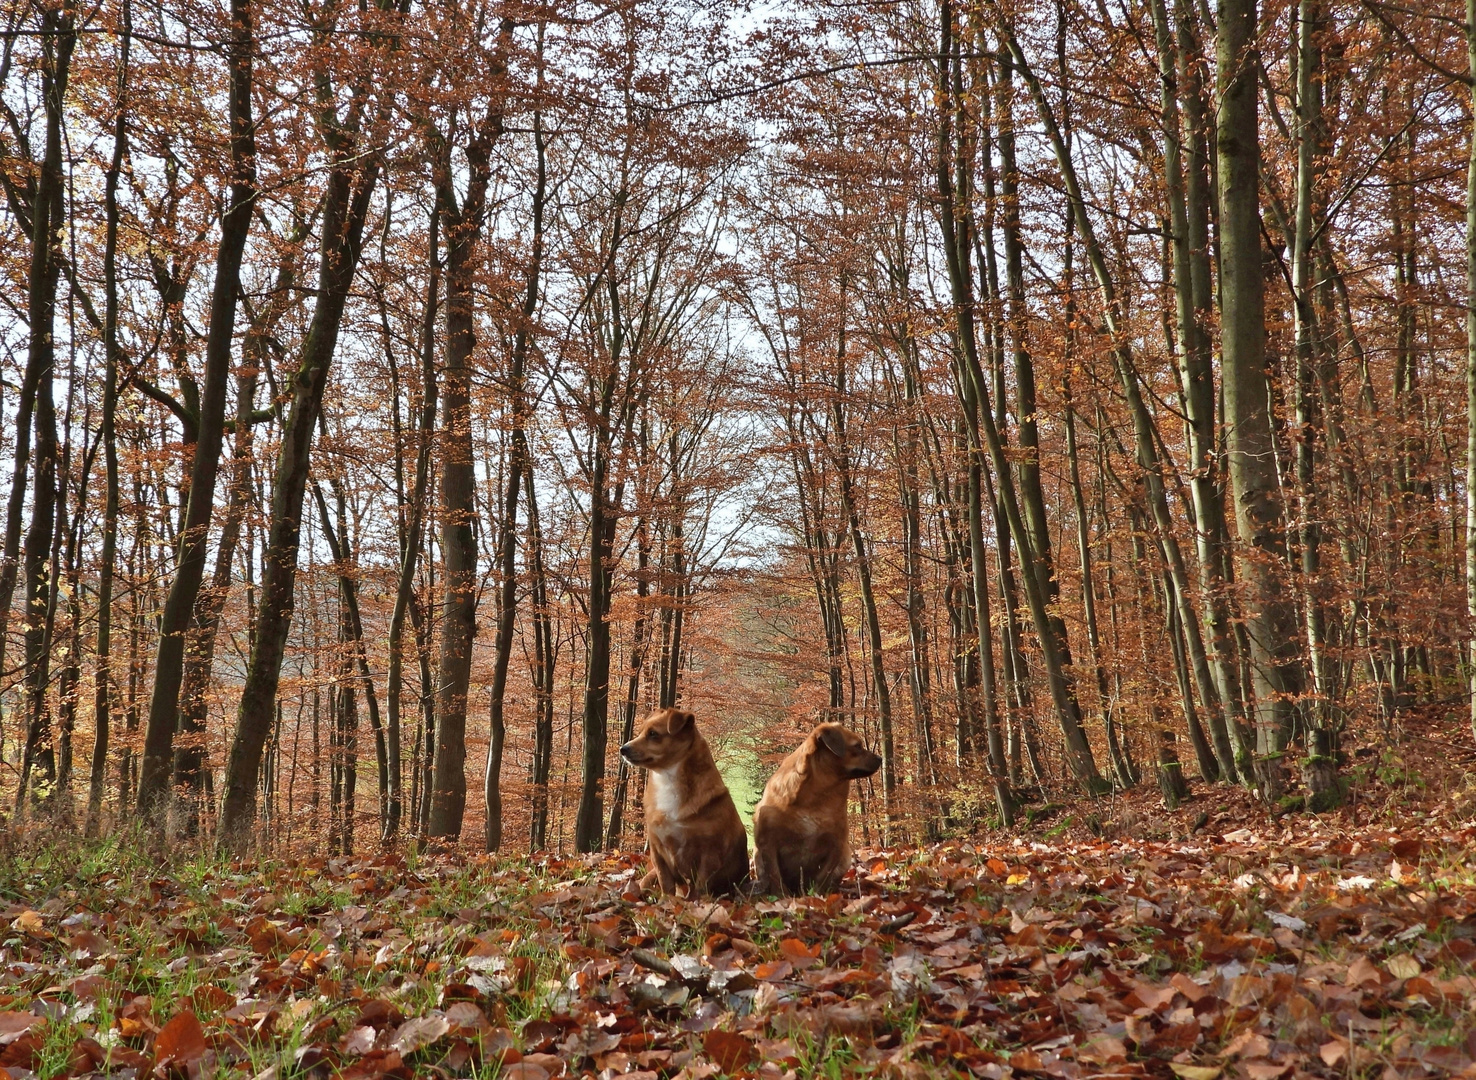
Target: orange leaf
[(181, 1040), (210, 998), (795, 949), (729, 1050)]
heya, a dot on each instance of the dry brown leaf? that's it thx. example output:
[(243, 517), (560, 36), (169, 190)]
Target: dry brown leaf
[(1196, 1072)]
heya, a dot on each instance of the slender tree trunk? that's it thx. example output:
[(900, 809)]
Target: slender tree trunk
[(638, 640), (107, 433), (458, 540), (954, 209), (507, 548), (1187, 189), (70, 677), (411, 542), (458, 469), (956, 214), (604, 517), (350, 189), (544, 657), (1470, 355), (1120, 765), (589, 826), (351, 638), (907, 445), (863, 574), (157, 765), (59, 38), (1269, 621), (674, 612), (458, 536), (1321, 770), (190, 767)]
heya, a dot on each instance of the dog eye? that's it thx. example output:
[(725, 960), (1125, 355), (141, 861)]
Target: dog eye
[(655, 736)]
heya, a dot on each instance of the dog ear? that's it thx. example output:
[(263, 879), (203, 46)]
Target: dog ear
[(834, 739), (678, 720)]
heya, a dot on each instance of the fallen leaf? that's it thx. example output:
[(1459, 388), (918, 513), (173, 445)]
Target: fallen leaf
[(359, 1041), (180, 1042), (1333, 1053), (1402, 966), (1265, 1070), (1361, 972), (523, 1070), (418, 1033), (730, 1050), (1102, 1050), (1196, 1072), (29, 922), (15, 1024)]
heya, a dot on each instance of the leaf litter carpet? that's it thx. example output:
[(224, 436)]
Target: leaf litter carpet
[(1304, 948)]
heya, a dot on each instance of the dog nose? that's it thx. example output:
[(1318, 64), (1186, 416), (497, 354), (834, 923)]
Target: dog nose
[(625, 753)]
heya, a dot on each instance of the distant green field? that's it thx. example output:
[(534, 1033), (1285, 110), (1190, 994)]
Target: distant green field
[(741, 772)]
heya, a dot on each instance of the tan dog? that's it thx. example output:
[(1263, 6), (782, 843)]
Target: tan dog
[(800, 832), (692, 827)]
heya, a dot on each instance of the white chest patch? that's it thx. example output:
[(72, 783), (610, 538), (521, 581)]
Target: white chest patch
[(665, 794)]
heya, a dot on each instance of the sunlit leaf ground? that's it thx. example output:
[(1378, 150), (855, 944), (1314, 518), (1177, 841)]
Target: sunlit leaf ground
[(1307, 946)]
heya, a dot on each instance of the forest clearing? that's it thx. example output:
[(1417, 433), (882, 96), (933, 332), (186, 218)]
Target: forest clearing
[(1029, 441)]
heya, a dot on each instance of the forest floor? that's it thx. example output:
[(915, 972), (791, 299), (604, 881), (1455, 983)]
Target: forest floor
[(1107, 941)]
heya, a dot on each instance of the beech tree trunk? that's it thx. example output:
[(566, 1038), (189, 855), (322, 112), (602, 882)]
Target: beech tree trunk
[(59, 32), (545, 654), (1269, 621), (157, 765), (102, 699), (955, 153), (350, 189), (1471, 355), (842, 454), (412, 532), (507, 547)]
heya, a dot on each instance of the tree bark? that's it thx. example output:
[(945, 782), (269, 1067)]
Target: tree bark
[(157, 765), (955, 198), (1187, 191), (604, 516), (351, 637), (58, 41), (107, 433), (413, 528), (507, 548), (637, 661), (1269, 621), (955, 211), (1471, 354), (350, 189), (863, 573), (190, 768), (545, 653)]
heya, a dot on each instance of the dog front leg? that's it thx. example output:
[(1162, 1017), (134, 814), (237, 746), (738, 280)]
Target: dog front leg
[(652, 877), (661, 874), (766, 864)]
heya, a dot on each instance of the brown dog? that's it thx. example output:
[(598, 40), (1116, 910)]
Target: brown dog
[(800, 833), (692, 827)]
